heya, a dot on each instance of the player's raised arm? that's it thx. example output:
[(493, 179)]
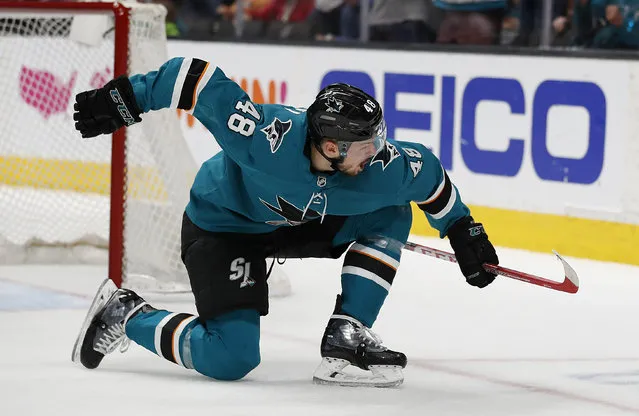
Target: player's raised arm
[(120, 102), (436, 195), (189, 84)]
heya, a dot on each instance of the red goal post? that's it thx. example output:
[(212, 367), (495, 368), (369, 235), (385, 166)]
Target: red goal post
[(120, 67), (127, 21)]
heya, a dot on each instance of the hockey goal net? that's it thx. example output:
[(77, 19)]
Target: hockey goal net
[(68, 199)]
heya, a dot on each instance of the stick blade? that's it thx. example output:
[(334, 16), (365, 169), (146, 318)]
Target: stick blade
[(571, 279)]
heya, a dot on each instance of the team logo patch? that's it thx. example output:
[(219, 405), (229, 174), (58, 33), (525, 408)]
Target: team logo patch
[(276, 131), (334, 105), (292, 215), (386, 155)]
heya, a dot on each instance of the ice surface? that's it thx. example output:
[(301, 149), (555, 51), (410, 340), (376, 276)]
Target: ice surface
[(509, 349)]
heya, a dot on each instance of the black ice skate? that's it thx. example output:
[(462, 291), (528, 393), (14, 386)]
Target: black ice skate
[(347, 341), (103, 327)]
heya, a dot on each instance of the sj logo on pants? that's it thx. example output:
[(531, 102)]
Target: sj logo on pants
[(241, 269)]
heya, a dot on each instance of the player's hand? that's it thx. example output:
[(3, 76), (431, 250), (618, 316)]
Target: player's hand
[(472, 249), (106, 109)]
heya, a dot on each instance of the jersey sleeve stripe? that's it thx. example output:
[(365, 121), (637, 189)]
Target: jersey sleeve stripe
[(187, 96), (441, 202), (179, 82), (438, 191), (449, 206), (209, 70)]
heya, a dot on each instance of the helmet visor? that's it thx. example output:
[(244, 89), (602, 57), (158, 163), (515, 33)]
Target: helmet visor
[(366, 149), (359, 153)]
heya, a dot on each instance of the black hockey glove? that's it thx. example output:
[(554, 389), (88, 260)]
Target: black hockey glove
[(106, 109), (472, 249)]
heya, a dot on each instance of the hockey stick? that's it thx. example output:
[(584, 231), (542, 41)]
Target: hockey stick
[(569, 285)]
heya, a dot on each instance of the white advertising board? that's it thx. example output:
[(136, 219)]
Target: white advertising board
[(540, 134)]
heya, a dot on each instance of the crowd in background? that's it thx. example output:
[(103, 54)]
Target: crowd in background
[(603, 24), (574, 23)]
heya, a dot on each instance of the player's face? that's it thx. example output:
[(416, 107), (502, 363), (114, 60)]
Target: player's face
[(359, 154)]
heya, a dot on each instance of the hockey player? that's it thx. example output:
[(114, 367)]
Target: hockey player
[(288, 183)]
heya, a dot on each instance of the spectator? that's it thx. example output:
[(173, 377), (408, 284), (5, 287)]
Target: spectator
[(327, 19), (530, 24), (510, 24), (224, 9), (336, 19), (189, 17), (471, 22), (584, 26), (350, 20), (281, 19), (607, 24), (293, 11), (400, 21)]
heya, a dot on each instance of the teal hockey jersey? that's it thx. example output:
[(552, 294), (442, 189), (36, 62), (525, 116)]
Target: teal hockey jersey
[(262, 179)]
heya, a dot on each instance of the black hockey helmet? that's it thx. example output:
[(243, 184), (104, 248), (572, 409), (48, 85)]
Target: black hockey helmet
[(346, 114)]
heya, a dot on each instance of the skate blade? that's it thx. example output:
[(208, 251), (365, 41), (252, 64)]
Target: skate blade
[(106, 289), (331, 372)]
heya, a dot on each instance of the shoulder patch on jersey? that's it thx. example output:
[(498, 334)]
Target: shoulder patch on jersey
[(276, 131), (386, 155)]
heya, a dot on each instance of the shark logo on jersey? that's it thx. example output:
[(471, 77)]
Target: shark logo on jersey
[(276, 131), (292, 215), (386, 155), (334, 105)]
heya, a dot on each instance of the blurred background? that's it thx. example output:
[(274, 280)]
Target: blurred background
[(529, 104), (607, 24), (602, 24)]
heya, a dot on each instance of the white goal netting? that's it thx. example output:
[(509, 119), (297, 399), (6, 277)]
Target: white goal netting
[(55, 186)]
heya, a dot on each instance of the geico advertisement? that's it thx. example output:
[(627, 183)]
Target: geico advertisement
[(528, 133)]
